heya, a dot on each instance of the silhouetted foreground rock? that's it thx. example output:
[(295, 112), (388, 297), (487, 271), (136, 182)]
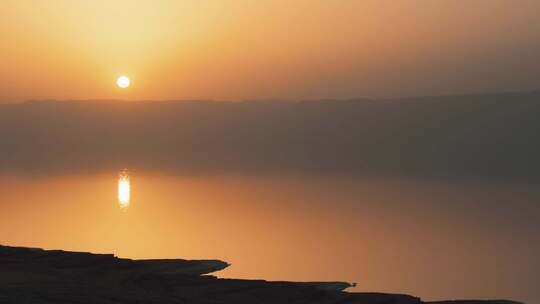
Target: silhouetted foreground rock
[(31, 275)]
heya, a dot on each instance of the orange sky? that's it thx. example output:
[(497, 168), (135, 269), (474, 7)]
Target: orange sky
[(245, 49)]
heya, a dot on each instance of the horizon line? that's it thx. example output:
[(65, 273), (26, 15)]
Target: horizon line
[(285, 100)]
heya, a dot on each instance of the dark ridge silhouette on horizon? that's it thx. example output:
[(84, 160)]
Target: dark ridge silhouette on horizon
[(33, 275), (479, 136)]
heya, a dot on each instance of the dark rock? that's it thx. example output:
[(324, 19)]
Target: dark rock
[(31, 275)]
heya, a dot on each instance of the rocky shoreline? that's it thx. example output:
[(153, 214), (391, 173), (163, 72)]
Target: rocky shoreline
[(37, 276)]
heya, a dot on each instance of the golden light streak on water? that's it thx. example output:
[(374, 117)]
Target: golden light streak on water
[(124, 189)]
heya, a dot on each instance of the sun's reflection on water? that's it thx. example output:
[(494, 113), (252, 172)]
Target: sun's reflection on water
[(124, 189)]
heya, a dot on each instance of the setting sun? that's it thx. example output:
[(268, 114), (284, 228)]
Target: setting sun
[(123, 82)]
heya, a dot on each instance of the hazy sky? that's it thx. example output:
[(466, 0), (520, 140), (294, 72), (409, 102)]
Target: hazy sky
[(245, 49)]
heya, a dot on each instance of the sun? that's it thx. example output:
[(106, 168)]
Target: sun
[(123, 82)]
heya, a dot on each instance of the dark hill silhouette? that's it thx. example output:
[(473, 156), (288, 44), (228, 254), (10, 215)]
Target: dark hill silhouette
[(466, 136), (31, 275)]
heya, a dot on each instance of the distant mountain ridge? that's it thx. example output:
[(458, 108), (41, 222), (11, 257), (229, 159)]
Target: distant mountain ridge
[(480, 136), (483, 95)]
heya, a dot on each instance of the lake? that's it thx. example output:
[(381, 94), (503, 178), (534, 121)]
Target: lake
[(438, 239)]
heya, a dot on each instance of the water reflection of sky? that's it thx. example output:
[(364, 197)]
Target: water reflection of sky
[(432, 239)]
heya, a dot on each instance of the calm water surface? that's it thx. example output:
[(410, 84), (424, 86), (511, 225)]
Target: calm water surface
[(431, 239)]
